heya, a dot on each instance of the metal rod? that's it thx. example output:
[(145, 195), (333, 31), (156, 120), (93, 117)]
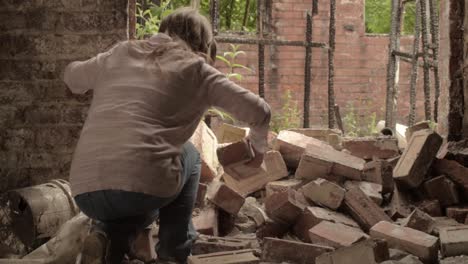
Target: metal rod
[(435, 50), (315, 7), (131, 19), (331, 65), (266, 41), (307, 73), (215, 16), (414, 67), (261, 50), (425, 41), (339, 121)]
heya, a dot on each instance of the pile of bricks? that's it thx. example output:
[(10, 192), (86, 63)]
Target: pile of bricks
[(326, 199)]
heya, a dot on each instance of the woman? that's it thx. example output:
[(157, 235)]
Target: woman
[(133, 163)]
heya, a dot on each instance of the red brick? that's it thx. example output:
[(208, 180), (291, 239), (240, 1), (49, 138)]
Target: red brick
[(454, 170), (285, 206), (413, 241), (431, 207), (281, 186), (234, 156), (143, 246), (417, 127), (335, 235), (325, 193), (292, 145), (206, 143), (419, 220), (331, 136), (372, 147), (279, 250), (400, 204), (210, 244), (457, 213), (363, 209), (245, 256), (275, 170), (371, 190), (225, 198), (443, 222), (370, 251), (454, 241), (442, 189), (272, 229), (380, 172), (319, 161), (417, 158), (206, 222), (313, 216), (228, 133), (201, 195)]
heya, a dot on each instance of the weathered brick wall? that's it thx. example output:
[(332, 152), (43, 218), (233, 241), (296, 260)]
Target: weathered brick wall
[(451, 68), (40, 120), (360, 62), (465, 72)]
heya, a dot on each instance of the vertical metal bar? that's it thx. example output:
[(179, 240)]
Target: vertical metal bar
[(315, 7), (131, 19), (307, 74), (415, 61), (331, 66), (215, 16), (339, 121), (427, 80), (435, 43), (261, 50)]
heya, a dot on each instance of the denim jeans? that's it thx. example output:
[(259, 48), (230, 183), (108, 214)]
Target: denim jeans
[(121, 214)]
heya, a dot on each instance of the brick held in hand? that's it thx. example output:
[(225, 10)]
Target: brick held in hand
[(229, 154)]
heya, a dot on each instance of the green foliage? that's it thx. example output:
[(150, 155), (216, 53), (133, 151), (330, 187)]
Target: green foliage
[(229, 59), (356, 125), (378, 17), (233, 15), (288, 117), (149, 18)]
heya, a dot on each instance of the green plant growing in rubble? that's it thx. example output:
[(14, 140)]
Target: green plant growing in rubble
[(356, 125), (229, 59), (288, 117)]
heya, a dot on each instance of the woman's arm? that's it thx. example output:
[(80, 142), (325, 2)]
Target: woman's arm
[(241, 103)]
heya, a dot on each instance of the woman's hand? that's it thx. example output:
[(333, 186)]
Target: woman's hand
[(257, 161)]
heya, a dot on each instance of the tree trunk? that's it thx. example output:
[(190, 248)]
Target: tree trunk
[(246, 13)]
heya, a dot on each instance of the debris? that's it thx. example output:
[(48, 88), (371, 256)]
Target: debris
[(420, 221), (233, 157), (418, 126), (210, 244), (227, 133), (372, 147), (143, 246), (400, 205), (431, 207), (254, 211), (285, 206), (206, 143), (380, 172), (279, 250), (417, 158), (281, 186), (442, 189), (454, 170), (201, 195), (225, 198), (443, 222), (415, 242), (206, 222), (457, 213), (325, 193), (331, 136), (335, 235), (371, 190), (454, 241), (370, 251), (363, 209), (246, 256)]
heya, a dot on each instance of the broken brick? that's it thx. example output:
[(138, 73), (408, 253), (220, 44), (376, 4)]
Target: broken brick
[(363, 209), (417, 127), (331, 136), (442, 189), (292, 145), (443, 222), (418, 156), (280, 250), (253, 210), (420, 221), (324, 193), (201, 195), (239, 151), (245, 256), (272, 229), (281, 186), (372, 147), (313, 216), (275, 170), (143, 246), (227, 133), (335, 235), (380, 172), (400, 206), (225, 198), (370, 251), (206, 222), (457, 213), (319, 161), (454, 241), (285, 206), (454, 170), (210, 244), (431, 207), (413, 241), (371, 190), (206, 143)]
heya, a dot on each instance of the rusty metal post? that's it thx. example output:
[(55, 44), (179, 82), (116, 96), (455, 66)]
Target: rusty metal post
[(131, 8), (215, 16), (415, 61), (307, 73), (261, 50), (427, 76), (331, 66), (435, 42)]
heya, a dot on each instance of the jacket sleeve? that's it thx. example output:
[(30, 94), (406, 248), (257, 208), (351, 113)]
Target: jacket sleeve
[(241, 103), (81, 76)]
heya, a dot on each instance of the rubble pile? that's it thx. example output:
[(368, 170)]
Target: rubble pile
[(323, 198)]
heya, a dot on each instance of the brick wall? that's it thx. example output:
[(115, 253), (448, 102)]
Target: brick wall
[(360, 62), (40, 120)]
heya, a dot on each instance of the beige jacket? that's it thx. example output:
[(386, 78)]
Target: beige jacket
[(140, 117)]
